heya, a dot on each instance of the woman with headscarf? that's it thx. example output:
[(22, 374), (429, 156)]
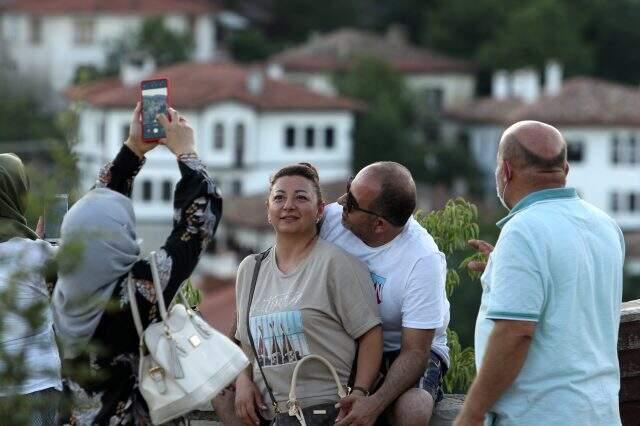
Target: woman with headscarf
[(91, 304), (23, 258)]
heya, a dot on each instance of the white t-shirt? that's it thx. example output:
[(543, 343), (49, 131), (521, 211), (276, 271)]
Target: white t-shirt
[(409, 276), (20, 263)]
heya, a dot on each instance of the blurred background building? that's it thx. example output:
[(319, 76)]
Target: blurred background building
[(338, 83)]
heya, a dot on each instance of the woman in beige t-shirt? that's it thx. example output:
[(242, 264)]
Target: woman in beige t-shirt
[(311, 297)]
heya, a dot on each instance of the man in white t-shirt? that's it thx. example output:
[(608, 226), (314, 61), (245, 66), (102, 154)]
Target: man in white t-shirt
[(373, 221)]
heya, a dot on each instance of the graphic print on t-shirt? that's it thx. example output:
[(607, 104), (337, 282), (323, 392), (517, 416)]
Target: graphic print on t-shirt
[(279, 338), (378, 284)]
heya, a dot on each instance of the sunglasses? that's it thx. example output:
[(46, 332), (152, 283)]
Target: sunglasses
[(351, 204)]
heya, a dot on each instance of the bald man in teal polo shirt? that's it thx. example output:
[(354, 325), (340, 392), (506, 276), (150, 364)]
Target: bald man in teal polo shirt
[(546, 333)]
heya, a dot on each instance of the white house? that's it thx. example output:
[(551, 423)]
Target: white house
[(246, 127), (600, 121), (439, 81), (49, 40)]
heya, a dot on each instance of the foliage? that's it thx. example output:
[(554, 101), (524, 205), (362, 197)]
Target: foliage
[(451, 228), (192, 294), (154, 38), (23, 115), (384, 130), (462, 366), (250, 45), (552, 32)]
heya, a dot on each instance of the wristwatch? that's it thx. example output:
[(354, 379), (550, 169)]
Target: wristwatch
[(357, 388)]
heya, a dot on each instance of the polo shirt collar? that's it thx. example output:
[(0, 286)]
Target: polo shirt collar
[(535, 197)]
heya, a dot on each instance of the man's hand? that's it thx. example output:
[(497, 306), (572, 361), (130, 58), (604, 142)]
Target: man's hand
[(179, 138), (248, 400), (482, 247), (134, 142), (468, 419), (358, 410)]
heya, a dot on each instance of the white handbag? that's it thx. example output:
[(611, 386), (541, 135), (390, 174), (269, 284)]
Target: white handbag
[(295, 410), (183, 361)]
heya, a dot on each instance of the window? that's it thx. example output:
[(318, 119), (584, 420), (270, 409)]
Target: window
[(236, 187), (125, 132), (310, 136), (633, 202), (35, 30), (633, 150), (290, 137), (102, 132), (239, 145), (433, 99), (625, 149), (329, 137), (166, 190), (615, 204), (83, 31), (615, 146), (218, 136), (575, 151), (147, 190)]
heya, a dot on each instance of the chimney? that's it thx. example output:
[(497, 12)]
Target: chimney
[(500, 85), (275, 71), (552, 78), (136, 67), (397, 34), (255, 82), (526, 84)]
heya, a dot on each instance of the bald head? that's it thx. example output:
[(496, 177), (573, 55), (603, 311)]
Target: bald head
[(396, 195), (533, 145)]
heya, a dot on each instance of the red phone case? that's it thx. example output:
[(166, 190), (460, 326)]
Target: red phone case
[(142, 106)]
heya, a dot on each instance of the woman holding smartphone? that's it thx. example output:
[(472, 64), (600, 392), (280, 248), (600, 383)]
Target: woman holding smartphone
[(91, 304)]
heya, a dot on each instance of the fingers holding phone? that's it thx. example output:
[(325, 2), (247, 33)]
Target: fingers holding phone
[(179, 134), (135, 141)]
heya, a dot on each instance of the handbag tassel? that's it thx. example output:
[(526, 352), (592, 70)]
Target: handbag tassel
[(176, 368)]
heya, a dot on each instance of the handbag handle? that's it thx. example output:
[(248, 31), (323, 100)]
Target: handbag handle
[(293, 403), (159, 296)]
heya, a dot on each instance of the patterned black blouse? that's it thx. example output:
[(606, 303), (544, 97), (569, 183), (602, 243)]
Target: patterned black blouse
[(102, 384)]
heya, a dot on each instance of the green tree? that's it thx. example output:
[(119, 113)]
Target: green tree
[(385, 130), (451, 228), (536, 32), (154, 38), (250, 45), (615, 34)]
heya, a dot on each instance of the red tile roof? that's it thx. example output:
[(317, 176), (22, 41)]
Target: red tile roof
[(337, 50), (582, 101), (197, 85), (145, 7)]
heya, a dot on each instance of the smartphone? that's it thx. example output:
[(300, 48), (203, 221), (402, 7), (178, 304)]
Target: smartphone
[(154, 95), (54, 212)]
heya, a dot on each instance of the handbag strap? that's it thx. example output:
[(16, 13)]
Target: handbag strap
[(292, 403), (256, 269), (135, 312)]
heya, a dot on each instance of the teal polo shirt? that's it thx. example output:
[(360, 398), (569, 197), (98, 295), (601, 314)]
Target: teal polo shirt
[(558, 262)]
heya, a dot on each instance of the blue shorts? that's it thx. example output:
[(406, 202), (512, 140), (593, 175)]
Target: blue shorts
[(431, 380)]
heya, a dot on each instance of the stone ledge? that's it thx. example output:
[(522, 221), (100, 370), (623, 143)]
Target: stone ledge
[(446, 411)]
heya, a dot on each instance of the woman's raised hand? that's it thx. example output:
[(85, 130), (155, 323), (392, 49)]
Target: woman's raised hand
[(179, 137), (134, 141)]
